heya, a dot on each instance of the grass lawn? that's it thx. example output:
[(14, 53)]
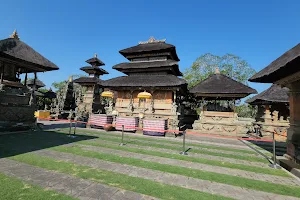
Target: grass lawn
[(179, 147), (135, 184), (216, 177), (15, 189), (19, 147), (206, 146), (186, 158)]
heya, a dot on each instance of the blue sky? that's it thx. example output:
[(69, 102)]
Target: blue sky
[(69, 33)]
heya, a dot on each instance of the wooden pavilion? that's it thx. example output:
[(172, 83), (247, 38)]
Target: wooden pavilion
[(285, 71), (17, 102), (272, 110), (216, 119), (151, 89)]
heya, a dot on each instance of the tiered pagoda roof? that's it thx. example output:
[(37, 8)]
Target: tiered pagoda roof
[(38, 83), (274, 94), (219, 86), (15, 50), (287, 64), (94, 72), (153, 63)]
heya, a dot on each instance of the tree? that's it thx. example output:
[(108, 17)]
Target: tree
[(229, 65), (58, 86)]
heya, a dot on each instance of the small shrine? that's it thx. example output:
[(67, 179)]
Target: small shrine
[(17, 101), (150, 95), (285, 72), (217, 119), (272, 110), (91, 87)]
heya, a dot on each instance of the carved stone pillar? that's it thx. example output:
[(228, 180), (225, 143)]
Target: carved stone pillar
[(293, 134)]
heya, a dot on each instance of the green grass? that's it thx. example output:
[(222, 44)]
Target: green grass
[(190, 159), (211, 176), (168, 141), (135, 184), (199, 151), (15, 189)]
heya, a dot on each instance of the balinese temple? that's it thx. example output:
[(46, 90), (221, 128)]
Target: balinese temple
[(285, 71), (91, 87), (17, 102), (216, 119), (149, 96)]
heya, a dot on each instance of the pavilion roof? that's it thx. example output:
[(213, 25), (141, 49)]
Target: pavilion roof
[(164, 65), (167, 80), (274, 94), (14, 49), (38, 83), (287, 64), (221, 86), (92, 69), (150, 46), (95, 61), (89, 80)]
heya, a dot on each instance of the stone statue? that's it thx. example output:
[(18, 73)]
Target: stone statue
[(109, 108), (275, 116), (174, 108)]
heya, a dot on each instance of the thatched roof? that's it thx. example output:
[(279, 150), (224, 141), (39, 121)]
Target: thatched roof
[(96, 70), (95, 61), (145, 81), (88, 80), (15, 49), (151, 46), (219, 85), (274, 94), (38, 83), (164, 65), (285, 65)]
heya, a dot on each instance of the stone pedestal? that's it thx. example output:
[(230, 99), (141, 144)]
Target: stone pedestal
[(293, 134)]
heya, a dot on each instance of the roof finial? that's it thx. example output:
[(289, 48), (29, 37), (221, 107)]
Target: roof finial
[(152, 40), (71, 79), (217, 70), (15, 35), (95, 55)]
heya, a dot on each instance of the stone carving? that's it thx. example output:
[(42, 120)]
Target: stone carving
[(174, 108), (109, 108)]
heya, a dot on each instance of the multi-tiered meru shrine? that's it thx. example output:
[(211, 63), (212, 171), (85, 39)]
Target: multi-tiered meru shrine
[(91, 87), (151, 89)]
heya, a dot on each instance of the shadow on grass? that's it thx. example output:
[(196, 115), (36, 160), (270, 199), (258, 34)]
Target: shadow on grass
[(19, 143), (268, 146)]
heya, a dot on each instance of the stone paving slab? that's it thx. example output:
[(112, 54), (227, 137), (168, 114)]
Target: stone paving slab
[(167, 178), (66, 184), (198, 166)]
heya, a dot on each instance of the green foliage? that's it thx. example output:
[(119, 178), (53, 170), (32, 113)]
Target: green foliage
[(229, 65), (58, 86), (246, 110)]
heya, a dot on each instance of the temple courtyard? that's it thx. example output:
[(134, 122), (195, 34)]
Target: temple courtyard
[(48, 164)]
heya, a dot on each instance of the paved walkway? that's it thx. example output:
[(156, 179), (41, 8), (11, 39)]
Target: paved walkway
[(167, 178), (69, 185)]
